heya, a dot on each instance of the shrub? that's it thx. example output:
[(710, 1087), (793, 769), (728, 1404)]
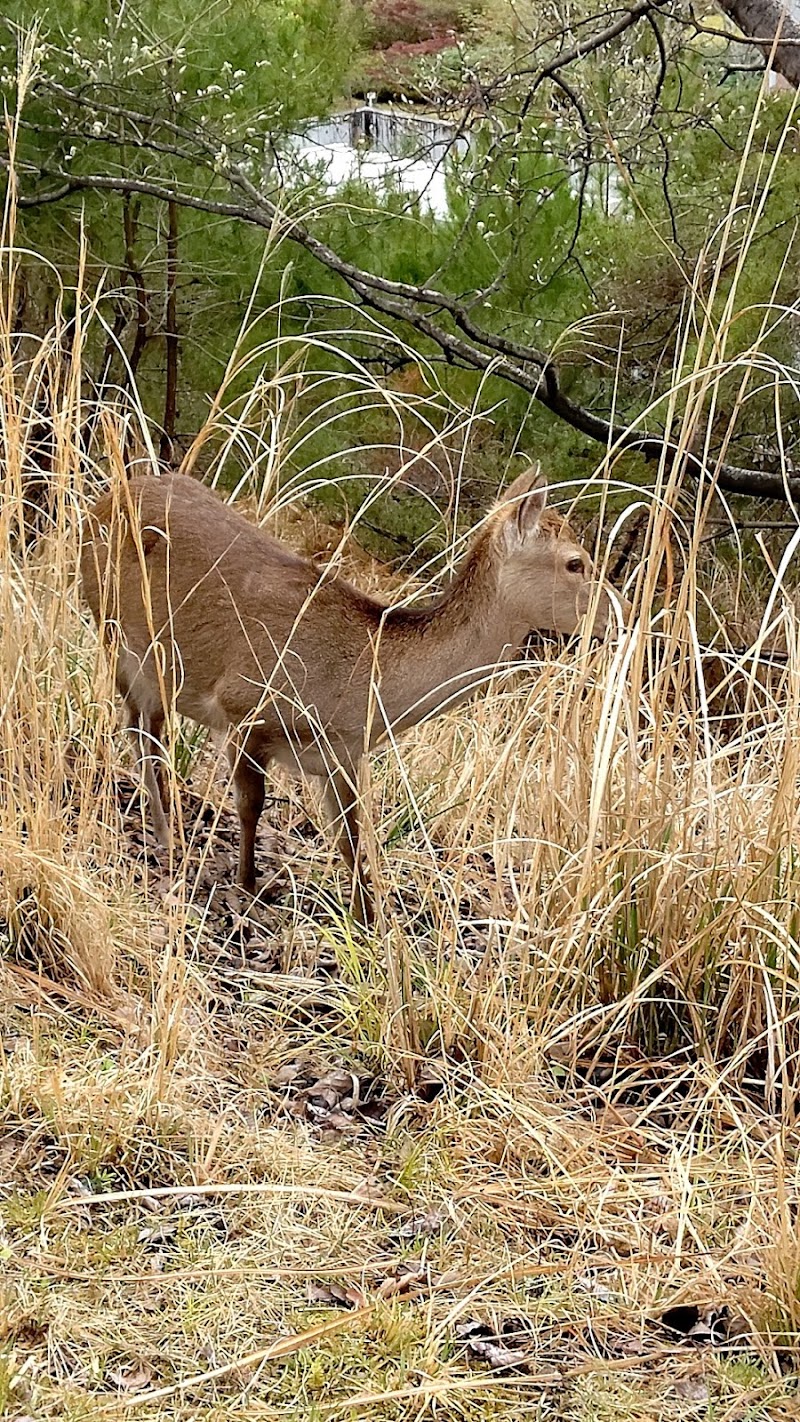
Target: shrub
[(410, 21)]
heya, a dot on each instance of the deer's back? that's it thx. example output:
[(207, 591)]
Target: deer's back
[(236, 611)]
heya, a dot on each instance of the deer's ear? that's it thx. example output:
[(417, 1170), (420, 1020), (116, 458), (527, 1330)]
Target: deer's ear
[(528, 498)]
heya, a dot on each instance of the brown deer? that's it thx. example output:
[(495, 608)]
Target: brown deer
[(216, 619)]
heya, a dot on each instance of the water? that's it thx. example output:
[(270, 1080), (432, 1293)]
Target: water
[(383, 148)]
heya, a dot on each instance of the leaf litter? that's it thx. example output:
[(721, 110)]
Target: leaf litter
[(499, 1347)]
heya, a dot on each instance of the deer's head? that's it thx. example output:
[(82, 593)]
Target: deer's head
[(546, 578)]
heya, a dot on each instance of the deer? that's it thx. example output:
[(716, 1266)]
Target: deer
[(210, 616)]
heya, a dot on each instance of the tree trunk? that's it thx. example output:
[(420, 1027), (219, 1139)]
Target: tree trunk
[(171, 330), (759, 20), (130, 223)]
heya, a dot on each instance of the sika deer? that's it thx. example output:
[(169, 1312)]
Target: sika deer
[(218, 620)]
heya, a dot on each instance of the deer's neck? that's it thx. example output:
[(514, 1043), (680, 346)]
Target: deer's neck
[(433, 657)]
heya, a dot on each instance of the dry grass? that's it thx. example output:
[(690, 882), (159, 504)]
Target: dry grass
[(577, 1023)]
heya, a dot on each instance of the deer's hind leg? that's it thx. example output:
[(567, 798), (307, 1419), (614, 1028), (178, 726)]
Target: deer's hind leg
[(341, 800), (152, 760), (146, 722)]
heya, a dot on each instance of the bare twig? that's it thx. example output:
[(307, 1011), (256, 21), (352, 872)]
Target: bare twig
[(482, 350)]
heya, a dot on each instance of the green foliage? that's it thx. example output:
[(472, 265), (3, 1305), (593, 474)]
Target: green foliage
[(573, 228), (228, 76), (227, 66), (601, 289)]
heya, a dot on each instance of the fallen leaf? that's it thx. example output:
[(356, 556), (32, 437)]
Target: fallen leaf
[(336, 1295), (339, 1082), (421, 1226), (321, 1101), (589, 1283), (406, 1279), (79, 1187), (612, 1116), (156, 1234), (484, 1343), (194, 1204), (691, 1389), (496, 1355), (339, 1121), (334, 1101), (667, 1225), (448, 1278), (131, 1379)]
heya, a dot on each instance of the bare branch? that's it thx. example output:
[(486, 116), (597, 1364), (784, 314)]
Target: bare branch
[(629, 17), (483, 350)]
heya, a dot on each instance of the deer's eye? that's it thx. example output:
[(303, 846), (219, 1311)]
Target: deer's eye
[(574, 565)]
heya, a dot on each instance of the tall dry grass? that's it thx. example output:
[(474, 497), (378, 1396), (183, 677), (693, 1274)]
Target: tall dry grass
[(630, 874)]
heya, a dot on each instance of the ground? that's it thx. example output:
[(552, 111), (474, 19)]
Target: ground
[(222, 1198)]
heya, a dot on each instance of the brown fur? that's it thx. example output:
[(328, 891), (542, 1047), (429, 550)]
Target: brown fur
[(217, 619)]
